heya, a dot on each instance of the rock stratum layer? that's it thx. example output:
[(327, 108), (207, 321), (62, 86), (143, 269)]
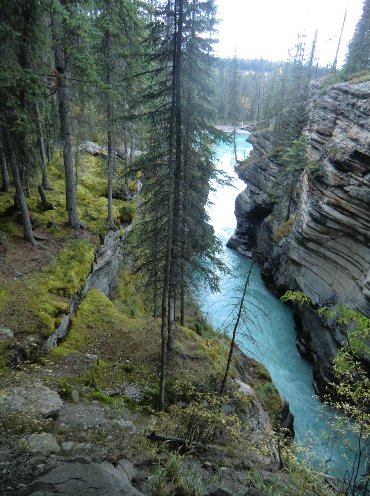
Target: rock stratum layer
[(324, 248)]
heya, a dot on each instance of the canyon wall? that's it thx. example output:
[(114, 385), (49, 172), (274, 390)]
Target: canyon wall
[(319, 241)]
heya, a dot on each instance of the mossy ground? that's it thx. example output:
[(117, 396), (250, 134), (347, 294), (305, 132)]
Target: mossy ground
[(37, 283), (34, 303)]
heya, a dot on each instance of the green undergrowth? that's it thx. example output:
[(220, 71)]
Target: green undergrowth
[(91, 200), (124, 343), (34, 303), (342, 77), (284, 229)]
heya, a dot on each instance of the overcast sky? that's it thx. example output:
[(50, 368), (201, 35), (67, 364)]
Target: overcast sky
[(268, 28)]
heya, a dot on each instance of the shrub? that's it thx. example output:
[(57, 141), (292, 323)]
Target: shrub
[(127, 211), (172, 479), (202, 421), (284, 229)]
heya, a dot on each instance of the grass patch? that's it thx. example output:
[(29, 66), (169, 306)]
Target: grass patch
[(284, 229)]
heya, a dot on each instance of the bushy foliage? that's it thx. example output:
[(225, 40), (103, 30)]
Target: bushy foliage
[(203, 420), (284, 229), (352, 386), (172, 479)]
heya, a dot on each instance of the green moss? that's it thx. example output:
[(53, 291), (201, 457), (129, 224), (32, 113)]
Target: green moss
[(61, 351), (100, 396), (4, 297), (91, 200), (129, 298), (93, 175), (35, 303), (69, 272), (269, 397), (95, 318), (127, 211)]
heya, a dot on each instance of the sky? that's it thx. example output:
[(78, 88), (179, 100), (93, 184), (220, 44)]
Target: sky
[(268, 28)]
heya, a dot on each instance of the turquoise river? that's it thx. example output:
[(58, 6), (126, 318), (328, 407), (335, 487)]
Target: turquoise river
[(268, 333)]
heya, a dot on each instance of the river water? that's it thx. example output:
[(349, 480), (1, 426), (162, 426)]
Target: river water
[(268, 332)]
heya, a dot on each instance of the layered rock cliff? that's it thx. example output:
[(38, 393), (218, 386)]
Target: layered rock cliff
[(324, 247)]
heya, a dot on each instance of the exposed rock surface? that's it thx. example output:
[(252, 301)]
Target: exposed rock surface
[(6, 333), (101, 277), (43, 443), (80, 477), (34, 399), (326, 250)]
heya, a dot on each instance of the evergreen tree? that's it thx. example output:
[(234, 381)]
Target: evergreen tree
[(61, 29), (358, 56), (118, 22), (173, 230), (294, 161), (18, 87)]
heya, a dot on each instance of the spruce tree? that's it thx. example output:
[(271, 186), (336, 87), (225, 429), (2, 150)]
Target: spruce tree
[(18, 86), (121, 30), (173, 231), (358, 56)]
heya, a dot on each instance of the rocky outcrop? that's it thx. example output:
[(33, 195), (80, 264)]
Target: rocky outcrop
[(80, 476), (324, 248), (34, 399), (101, 277)]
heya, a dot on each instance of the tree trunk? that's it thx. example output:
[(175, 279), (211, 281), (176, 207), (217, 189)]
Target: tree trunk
[(44, 168), (176, 248), (110, 119), (5, 187), (132, 145), (65, 126), (334, 66), (236, 325), (126, 156), (46, 205), (182, 296), (19, 193), (234, 142), (49, 146)]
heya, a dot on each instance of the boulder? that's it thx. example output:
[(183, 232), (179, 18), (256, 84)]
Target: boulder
[(43, 443), (94, 149), (6, 333), (245, 388), (34, 399), (79, 477)]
